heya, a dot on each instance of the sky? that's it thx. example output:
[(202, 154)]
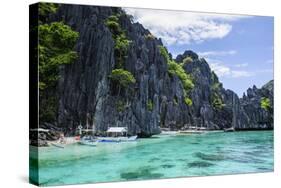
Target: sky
[(238, 48)]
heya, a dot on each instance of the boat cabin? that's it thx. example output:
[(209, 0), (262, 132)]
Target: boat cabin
[(117, 131)]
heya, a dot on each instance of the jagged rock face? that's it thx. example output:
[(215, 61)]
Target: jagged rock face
[(254, 116), (86, 93), (85, 88)]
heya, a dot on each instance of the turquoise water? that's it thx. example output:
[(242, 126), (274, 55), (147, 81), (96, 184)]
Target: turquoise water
[(157, 157)]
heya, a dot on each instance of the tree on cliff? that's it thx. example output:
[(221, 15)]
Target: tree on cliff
[(55, 48), (123, 78), (56, 43)]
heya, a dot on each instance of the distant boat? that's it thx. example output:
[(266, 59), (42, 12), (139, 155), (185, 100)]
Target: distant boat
[(117, 135), (194, 130), (169, 133), (231, 129)]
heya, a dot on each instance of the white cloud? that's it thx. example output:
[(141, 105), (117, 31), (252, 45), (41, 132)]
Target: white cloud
[(180, 27), (217, 53), (241, 73), (223, 70), (220, 69), (241, 65)]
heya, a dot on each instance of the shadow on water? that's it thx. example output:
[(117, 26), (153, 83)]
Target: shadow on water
[(199, 164), (210, 157), (195, 143), (141, 173), (264, 169), (167, 166), (153, 159)]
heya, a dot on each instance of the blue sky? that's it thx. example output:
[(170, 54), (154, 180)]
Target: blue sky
[(238, 48)]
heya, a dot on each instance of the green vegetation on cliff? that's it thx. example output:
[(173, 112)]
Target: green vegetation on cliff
[(56, 43), (45, 9), (177, 69), (119, 36), (216, 99), (112, 23), (149, 105), (265, 103), (122, 78), (55, 48), (120, 105), (188, 101)]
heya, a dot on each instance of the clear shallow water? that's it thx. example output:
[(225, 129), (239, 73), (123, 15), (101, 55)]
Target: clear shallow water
[(159, 157)]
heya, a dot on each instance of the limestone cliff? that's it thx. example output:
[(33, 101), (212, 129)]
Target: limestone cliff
[(87, 94)]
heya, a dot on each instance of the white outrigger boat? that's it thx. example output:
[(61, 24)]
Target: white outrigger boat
[(88, 141), (118, 134), (194, 130)]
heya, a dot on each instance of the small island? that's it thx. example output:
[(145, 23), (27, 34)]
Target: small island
[(106, 82)]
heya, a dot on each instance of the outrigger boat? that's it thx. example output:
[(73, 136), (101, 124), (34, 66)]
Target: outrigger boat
[(194, 130), (88, 140), (119, 134)]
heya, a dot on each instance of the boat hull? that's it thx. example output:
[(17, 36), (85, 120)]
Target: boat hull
[(88, 143), (117, 139)]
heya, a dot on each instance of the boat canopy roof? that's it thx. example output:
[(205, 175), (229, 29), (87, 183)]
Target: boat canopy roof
[(116, 130), (40, 130)]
